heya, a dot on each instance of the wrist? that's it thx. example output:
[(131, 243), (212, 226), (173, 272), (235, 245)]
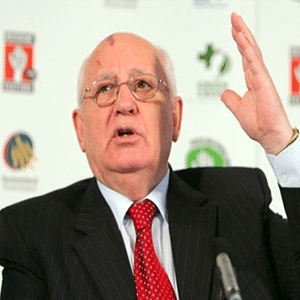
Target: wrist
[(291, 141), (274, 142)]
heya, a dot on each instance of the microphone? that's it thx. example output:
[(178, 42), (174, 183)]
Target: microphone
[(225, 269)]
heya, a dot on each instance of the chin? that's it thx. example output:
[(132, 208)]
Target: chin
[(130, 165)]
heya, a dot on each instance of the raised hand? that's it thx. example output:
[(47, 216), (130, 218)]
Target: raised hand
[(260, 111)]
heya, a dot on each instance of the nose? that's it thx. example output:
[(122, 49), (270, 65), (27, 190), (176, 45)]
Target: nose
[(125, 103)]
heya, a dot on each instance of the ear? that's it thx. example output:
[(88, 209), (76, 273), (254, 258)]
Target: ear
[(177, 117), (78, 124)]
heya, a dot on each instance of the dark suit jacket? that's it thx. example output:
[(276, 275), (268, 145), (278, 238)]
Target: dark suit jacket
[(66, 244)]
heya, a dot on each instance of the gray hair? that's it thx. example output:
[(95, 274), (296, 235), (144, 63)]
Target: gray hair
[(169, 70), (80, 80), (166, 64)]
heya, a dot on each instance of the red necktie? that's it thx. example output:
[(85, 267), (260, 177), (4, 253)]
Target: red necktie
[(151, 279)]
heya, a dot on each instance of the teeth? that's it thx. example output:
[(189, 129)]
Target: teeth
[(125, 132)]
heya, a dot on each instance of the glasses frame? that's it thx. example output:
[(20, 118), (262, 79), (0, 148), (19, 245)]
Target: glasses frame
[(118, 85)]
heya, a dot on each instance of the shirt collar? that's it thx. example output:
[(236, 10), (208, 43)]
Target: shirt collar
[(119, 204)]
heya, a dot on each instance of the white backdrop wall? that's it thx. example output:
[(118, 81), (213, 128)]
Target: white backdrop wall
[(62, 33)]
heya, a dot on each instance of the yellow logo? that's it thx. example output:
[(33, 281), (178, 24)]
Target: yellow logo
[(18, 152)]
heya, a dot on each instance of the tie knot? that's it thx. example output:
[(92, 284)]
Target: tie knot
[(142, 214)]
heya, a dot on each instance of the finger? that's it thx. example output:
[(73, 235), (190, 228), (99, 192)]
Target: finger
[(245, 63), (241, 42), (235, 37), (231, 99), (239, 26), (239, 108), (253, 64), (234, 34), (250, 57)]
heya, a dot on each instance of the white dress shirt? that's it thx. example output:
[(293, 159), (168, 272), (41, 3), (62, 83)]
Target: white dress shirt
[(120, 204), (286, 167)]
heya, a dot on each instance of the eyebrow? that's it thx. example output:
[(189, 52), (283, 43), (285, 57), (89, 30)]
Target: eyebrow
[(105, 76), (111, 75), (137, 71)]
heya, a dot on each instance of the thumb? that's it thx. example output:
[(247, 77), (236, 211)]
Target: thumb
[(232, 100)]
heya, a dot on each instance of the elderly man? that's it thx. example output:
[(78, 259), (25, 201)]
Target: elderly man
[(138, 230)]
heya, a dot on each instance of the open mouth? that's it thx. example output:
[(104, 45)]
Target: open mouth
[(125, 132)]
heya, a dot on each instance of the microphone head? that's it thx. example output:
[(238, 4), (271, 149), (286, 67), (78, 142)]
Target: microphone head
[(221, 251)]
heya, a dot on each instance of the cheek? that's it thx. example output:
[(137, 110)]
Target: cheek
[(162, 122), (93, 131), (167, 122)]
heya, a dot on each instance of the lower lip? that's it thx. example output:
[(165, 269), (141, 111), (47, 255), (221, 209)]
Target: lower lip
[(126, 139)]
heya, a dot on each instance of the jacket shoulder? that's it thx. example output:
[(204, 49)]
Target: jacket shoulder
[(229, 180), (69, 192), (48, 205)]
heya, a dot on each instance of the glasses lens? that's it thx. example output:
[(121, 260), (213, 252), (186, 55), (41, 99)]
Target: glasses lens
[(144, 86), (103, 92)]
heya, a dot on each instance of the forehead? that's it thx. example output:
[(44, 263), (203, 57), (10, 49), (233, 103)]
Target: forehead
[(124, 55)]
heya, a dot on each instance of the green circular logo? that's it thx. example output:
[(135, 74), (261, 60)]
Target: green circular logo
[(206, 153)]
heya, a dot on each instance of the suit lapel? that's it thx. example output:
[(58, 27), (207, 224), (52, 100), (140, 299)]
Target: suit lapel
[(101, 248), (192, 227)]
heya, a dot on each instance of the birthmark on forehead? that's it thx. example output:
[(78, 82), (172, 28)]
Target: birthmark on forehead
[(111, 40), (98, 62)]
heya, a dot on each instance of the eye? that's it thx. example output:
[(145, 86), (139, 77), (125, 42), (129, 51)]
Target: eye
[(142, 84), (104, 88)]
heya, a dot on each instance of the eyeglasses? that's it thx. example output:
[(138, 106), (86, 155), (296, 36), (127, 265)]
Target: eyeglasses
[(105, 92)]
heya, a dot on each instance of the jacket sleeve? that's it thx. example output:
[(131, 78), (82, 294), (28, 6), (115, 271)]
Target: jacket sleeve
[(22, 275), (284, 242)]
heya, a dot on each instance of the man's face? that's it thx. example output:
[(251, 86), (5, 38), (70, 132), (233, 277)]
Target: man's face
[(128, 135)]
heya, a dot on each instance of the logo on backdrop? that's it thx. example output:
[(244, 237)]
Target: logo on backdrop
[(295, 75), (19, 155), (19, 73), (215, 64), (18, 151), (206, 153), (210, 3), (121, 3)]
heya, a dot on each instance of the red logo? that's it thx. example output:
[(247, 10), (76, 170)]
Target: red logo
[(18, 64), (295, 75)]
